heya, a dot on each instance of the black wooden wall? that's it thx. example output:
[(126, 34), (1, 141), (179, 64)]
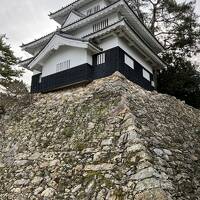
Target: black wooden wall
[(79, 74), (36, 85), (114, 61)]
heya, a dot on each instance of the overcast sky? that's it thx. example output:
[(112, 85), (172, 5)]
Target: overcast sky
[(26, 20)]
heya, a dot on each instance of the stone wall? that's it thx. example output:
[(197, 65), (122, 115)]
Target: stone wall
[(110, 140)]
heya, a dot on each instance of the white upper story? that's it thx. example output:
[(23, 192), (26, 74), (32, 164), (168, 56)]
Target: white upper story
[(85, 17), (107, 23)]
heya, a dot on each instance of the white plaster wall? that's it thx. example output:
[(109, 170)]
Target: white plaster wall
[(109, 43), (84, 9), (115, 41), (35, 72), (133, 53), (89, 57), (77, 56), (85, 30)]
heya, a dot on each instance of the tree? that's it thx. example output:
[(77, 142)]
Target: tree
[(176, 26), (16, 96), (7, 61), (180, 79)]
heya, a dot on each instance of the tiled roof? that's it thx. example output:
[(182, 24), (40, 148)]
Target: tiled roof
[(23, 45)]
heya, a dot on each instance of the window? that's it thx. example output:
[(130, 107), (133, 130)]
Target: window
[(100, 25), (40, 78), (146, 75), (129, 61), (152, 83), (93, 10), (96, 8), (89, 11), (63, 66), (101, 58)]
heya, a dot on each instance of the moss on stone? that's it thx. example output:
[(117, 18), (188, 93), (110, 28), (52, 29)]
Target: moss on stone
[(119, 194), (68, 131)]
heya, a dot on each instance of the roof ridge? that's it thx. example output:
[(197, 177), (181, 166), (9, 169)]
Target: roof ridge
[(52, 13)]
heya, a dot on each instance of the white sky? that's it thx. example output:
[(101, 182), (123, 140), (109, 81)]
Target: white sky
[(26, 20)]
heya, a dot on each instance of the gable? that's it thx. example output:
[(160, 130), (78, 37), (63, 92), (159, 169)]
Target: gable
[(62, 59), (72, 17), (55, 43)]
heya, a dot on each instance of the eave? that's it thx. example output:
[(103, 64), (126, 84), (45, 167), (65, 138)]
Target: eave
[(41, 42), (29, 47), (25, 63)]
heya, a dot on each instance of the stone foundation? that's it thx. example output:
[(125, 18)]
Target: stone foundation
[(109, 140)]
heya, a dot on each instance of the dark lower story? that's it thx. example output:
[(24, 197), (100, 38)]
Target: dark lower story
[(104, 64)]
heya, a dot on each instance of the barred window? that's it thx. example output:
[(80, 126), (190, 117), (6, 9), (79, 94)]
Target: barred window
[(89, 11), (100, 25), (146, 75), (63, 66), (95, 9), (129, 61), (40, 78), (101, 58)]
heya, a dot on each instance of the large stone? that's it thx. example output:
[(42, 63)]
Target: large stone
[(35, 156), (91, 125), (145, 173), (38, 190), (37, 180), (158, 152), (156, 194), (100, 167), (16, 190), (106, 142), (49, 192), (76, 188), (90, 187), (21, 182), (21, 162), (133, 137), (168, 152), (136, 148), (2, 165), (147, 184), (54, 163)]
